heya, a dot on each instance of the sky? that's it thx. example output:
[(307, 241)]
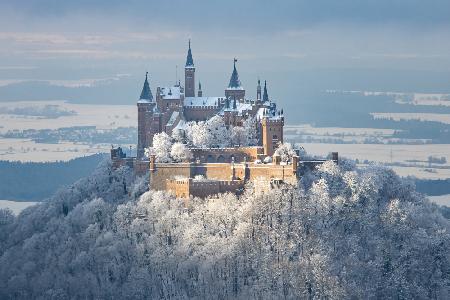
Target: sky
[(99, 51)]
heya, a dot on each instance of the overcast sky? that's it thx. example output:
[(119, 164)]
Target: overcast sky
[(70, 43)]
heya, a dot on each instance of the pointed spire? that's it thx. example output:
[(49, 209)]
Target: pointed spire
[(265, 95), (258, 90), (189, 60), (146, 93), (234, 80)]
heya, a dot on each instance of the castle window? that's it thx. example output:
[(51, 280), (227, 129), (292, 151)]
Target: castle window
[(275, 137)]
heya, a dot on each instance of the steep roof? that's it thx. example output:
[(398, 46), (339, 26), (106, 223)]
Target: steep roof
[(171, 92), (146, 94), (202, 101), (235, 83), (189, 59)]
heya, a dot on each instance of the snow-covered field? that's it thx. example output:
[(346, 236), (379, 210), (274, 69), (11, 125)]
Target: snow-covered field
[(15, 206), (308, 129), (441, 200), (391, 153), (27, 150), (102, 116), (442, 118)]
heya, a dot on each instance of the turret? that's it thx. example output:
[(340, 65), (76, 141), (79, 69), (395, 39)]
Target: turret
[(265, 95), (272, 133), (189, 74), (258, 91), (199, 93), (145, 105), (235, 88)]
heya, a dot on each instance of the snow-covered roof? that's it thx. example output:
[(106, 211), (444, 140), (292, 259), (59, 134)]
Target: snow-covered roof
[(173, 118), (238, 88), (202, 101), (170, 92), (181, 125), (241, 108), (144, 101)]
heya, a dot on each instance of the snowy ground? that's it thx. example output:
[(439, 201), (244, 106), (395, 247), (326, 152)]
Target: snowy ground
[(15, 206), (101, 116), (392, 154), (441, 200), (442, 118), (27, 150)]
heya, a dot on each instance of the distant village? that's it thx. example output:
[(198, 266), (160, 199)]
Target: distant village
[(197, 145)]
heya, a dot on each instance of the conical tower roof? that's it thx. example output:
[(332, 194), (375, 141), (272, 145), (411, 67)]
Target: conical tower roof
[(146, 93), (189, 59), (235, 83)]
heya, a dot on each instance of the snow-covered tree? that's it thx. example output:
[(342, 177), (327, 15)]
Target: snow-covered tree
[(251, 131), (238, 136), (162, 144), (285, 151), (218, 134), (343, 233), (180, 152)]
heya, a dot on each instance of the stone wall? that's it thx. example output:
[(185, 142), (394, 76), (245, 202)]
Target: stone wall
[(183, 188), (200, 113), (225, 155)]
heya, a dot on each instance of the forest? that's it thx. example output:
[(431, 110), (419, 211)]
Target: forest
[(342, 233)]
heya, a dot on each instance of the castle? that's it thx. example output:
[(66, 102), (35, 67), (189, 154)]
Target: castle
[(211, 170)]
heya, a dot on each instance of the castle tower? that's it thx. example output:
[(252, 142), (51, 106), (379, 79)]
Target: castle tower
[(258, 92), (200, 93), (189, 74), (235, 89), (144, 105), (265, 95), (272, 133)]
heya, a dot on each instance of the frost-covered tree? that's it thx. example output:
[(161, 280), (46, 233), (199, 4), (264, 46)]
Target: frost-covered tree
[(342, 233), (238, 136), (199, 134), (285, 151), (162, 144), (251, 131), (180, 152), (218, 134)]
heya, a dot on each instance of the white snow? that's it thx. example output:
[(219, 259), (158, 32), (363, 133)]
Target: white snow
[(15, 206), (442, 118), (441, 200), (202, 101), (171, 92), (102, 116)]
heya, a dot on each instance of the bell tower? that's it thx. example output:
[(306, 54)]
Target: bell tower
[(189, 74)]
